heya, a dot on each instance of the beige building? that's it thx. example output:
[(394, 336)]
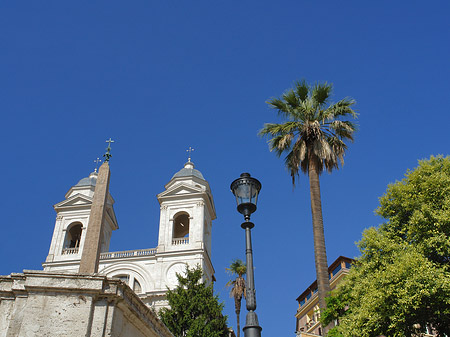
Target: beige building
[(308, 316)]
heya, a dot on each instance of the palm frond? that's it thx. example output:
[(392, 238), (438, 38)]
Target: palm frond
[(321, 148), (290, 98), (307, 110), (302, 89), (340, 109), (320, 93), (279, 144), (343, 129), (338, 147), (312, 130), (283, 108), (277, 130), (272, 129), (292, 165), (237, 267)]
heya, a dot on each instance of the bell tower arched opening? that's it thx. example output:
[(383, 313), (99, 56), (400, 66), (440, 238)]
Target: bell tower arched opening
[(73, 238), (181, 226)]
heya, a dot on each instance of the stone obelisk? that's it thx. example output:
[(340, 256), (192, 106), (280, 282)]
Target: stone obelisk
[(92, 244)]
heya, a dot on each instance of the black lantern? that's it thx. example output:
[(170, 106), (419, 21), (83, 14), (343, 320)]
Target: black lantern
[(246, 190)]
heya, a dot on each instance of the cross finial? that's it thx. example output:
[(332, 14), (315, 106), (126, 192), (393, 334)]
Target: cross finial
[(97, 161), (190, 152), (108, 155)]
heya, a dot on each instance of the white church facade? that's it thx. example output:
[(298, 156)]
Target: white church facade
[(186, 214)]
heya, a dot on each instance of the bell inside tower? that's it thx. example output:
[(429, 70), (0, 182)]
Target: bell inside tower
[(181, 226)]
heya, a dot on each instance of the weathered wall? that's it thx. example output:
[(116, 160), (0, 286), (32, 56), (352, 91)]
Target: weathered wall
[(38, 303)]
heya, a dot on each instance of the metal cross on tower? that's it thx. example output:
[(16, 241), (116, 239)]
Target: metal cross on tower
[(108, 155), (190, 152), (97, 161)]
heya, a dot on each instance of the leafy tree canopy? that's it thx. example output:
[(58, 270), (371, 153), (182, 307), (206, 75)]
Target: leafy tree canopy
[(194, 309), (401, 282)]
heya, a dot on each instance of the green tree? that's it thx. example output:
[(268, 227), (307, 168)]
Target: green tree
[(418, 209), (194, 309), (239, 269), (401, 282), (313, 137)]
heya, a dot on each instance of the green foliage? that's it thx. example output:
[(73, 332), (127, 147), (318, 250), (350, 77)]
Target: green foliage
[(418, 209), (194, 310), (401, 282)]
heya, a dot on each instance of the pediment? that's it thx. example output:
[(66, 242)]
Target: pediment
[(181, 189), (76, 200)]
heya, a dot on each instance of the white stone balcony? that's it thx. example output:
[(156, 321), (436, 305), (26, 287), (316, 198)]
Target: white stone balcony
[(180, 241), (67, 251), (127, 253)]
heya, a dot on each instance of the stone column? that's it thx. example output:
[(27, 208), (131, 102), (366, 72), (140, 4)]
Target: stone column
[(91, 250)]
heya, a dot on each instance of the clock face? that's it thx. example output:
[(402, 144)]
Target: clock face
[(171, 276)]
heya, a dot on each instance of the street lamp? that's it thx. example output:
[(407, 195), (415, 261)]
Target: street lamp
[(246, 190)]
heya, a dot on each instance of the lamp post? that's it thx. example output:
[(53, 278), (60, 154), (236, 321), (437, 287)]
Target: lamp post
[(246, 190)]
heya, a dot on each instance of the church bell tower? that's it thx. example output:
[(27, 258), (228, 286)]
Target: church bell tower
[(187, 211), (72, 219)]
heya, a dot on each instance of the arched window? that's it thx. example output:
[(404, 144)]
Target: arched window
[(181, 226), (73, 238), (137, 287), (131, 282), (125, 278)]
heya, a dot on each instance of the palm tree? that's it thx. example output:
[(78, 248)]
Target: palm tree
[(238, 268), (313, 138)]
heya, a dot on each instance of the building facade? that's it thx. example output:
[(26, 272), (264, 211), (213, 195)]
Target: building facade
[(308, 314), (186, 214), (40, 303)]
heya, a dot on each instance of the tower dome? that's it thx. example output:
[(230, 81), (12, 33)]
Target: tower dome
[(88, 181), (187, 171)]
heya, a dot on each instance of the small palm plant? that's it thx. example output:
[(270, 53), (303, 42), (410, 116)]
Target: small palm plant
[(238, 289)]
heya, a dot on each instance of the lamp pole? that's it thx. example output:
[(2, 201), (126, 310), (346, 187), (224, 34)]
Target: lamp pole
[(246, 190)]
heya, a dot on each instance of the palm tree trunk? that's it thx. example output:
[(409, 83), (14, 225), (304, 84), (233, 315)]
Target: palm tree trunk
[(320, 253), (237, 307), (238, 322)]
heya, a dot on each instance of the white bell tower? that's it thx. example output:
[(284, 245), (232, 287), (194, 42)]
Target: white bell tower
[(72, 218), (187, 211)]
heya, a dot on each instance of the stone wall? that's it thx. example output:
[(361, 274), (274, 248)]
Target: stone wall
[(38, 303)]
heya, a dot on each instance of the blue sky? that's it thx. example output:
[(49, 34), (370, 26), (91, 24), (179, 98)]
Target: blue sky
[(160, 76)]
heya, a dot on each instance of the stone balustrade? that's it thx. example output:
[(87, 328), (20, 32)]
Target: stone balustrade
[(127, 253), (67, 251), (180, 241)]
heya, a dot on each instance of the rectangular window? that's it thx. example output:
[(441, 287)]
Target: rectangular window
[(336, 270)]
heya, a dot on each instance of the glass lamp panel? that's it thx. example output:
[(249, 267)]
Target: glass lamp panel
[(254, 194), (242, 193)]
